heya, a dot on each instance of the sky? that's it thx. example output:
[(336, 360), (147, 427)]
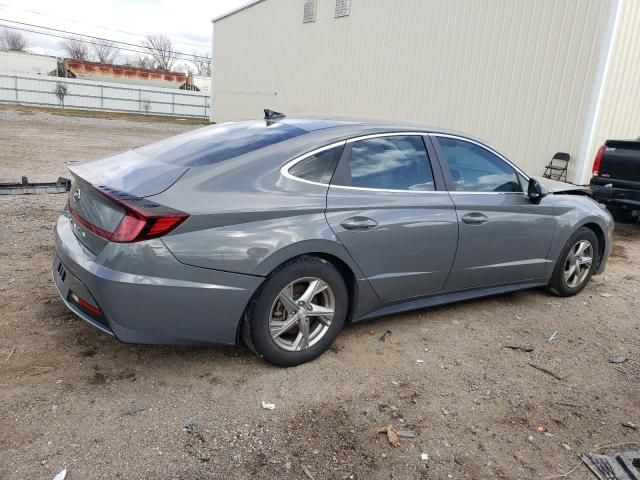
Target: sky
[(186, 22)]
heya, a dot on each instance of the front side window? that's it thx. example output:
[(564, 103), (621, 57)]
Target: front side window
[(318, 167), (476, 169), (390, 163)]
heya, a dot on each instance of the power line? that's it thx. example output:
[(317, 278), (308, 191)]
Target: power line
[(145, 52), (89, 36), (35, 12)]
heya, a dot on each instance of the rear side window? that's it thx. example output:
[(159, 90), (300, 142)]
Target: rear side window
[(390, 163), (216, 143), (476, 169), (318, 167)]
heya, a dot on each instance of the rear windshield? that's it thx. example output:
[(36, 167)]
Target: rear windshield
[(217, 143)]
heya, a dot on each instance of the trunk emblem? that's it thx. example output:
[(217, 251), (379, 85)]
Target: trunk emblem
[(76, 195)]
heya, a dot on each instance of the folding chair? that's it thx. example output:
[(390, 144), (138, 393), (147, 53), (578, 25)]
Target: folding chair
[(557, 167)]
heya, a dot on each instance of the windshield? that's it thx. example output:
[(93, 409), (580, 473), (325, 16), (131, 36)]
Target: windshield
[(217, 143)]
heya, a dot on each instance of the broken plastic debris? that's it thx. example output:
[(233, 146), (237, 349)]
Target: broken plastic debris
[(268, 406), (392, 435), (617, 359), (424, 456), (385, 335), (419, 360), (406, 434), (553, 336), (61, 475), (308, 473)]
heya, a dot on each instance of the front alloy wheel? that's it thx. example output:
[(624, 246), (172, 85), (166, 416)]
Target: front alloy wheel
[(578, 263)]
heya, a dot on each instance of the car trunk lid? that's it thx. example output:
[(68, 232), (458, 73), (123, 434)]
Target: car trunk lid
[(108, 193), (130, 172)]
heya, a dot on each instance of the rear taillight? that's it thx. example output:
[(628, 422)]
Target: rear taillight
[(142, 220), (597, 161)]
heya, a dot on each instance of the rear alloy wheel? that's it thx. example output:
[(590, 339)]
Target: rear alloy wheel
[(297, 313), (301, 314), (576, 264)]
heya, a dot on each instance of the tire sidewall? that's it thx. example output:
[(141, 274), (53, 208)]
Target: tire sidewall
[(558, 283), (260, 310)]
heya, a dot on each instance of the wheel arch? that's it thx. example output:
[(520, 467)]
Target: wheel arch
[(599, 233)]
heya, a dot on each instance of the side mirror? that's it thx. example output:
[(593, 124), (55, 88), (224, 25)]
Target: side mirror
[(536, 191)]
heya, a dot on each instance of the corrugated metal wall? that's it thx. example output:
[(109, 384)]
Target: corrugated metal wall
[(518, 73), (92, 95), (619, 115)]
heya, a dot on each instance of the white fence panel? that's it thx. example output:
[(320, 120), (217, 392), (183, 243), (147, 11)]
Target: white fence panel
[(87, 94)]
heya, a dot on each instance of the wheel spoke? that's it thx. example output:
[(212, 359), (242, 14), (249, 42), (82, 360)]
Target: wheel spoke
[(582, 246), (315, 286), (283, 327), (319, 311), (297, 343), (304, 330), (585, 260), (286, 297), (569, 273)]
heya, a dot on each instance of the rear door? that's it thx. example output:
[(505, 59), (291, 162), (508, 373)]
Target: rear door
[(387, 205), (504, 238)]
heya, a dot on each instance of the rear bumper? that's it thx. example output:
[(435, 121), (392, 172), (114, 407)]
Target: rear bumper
[(175, 304), (618, 197)]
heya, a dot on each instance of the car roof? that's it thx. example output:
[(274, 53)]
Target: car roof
[(356, 125)]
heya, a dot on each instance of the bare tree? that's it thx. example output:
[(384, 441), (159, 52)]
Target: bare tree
[(106, 51), (141, 61), (202, 61), (61, 90), (161, 50), (12, 41), (146, 105), (76, 49)]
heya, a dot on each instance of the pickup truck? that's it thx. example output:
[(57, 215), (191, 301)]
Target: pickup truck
[(616, 178)]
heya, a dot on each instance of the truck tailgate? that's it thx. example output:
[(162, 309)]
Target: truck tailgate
[(621, 160)]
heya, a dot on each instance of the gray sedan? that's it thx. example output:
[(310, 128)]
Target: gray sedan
[(278, 231)]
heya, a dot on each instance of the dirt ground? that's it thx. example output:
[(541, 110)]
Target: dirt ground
[(73, 397)]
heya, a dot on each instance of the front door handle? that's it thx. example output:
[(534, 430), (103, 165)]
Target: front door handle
[(475, 218), (359, 223)]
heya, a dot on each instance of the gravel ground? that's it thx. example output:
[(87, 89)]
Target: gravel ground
[(73, 397)]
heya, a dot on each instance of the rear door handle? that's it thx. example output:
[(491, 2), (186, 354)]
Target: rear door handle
[(475, 218), (358, 223)]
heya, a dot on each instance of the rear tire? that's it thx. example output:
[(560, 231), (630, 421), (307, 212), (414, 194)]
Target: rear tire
[(576, 264), (297, 313)]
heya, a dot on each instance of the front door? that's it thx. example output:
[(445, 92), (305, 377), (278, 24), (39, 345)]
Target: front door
[(504, 238), (389, 209)]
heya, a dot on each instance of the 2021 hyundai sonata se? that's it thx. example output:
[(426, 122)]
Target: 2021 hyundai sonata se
[(279, 231)]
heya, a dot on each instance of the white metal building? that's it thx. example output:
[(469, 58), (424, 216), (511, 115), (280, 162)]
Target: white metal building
[(531, 77), (27, 63)]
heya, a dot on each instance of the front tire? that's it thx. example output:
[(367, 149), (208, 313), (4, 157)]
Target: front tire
[(576, 264), (297, 313)]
